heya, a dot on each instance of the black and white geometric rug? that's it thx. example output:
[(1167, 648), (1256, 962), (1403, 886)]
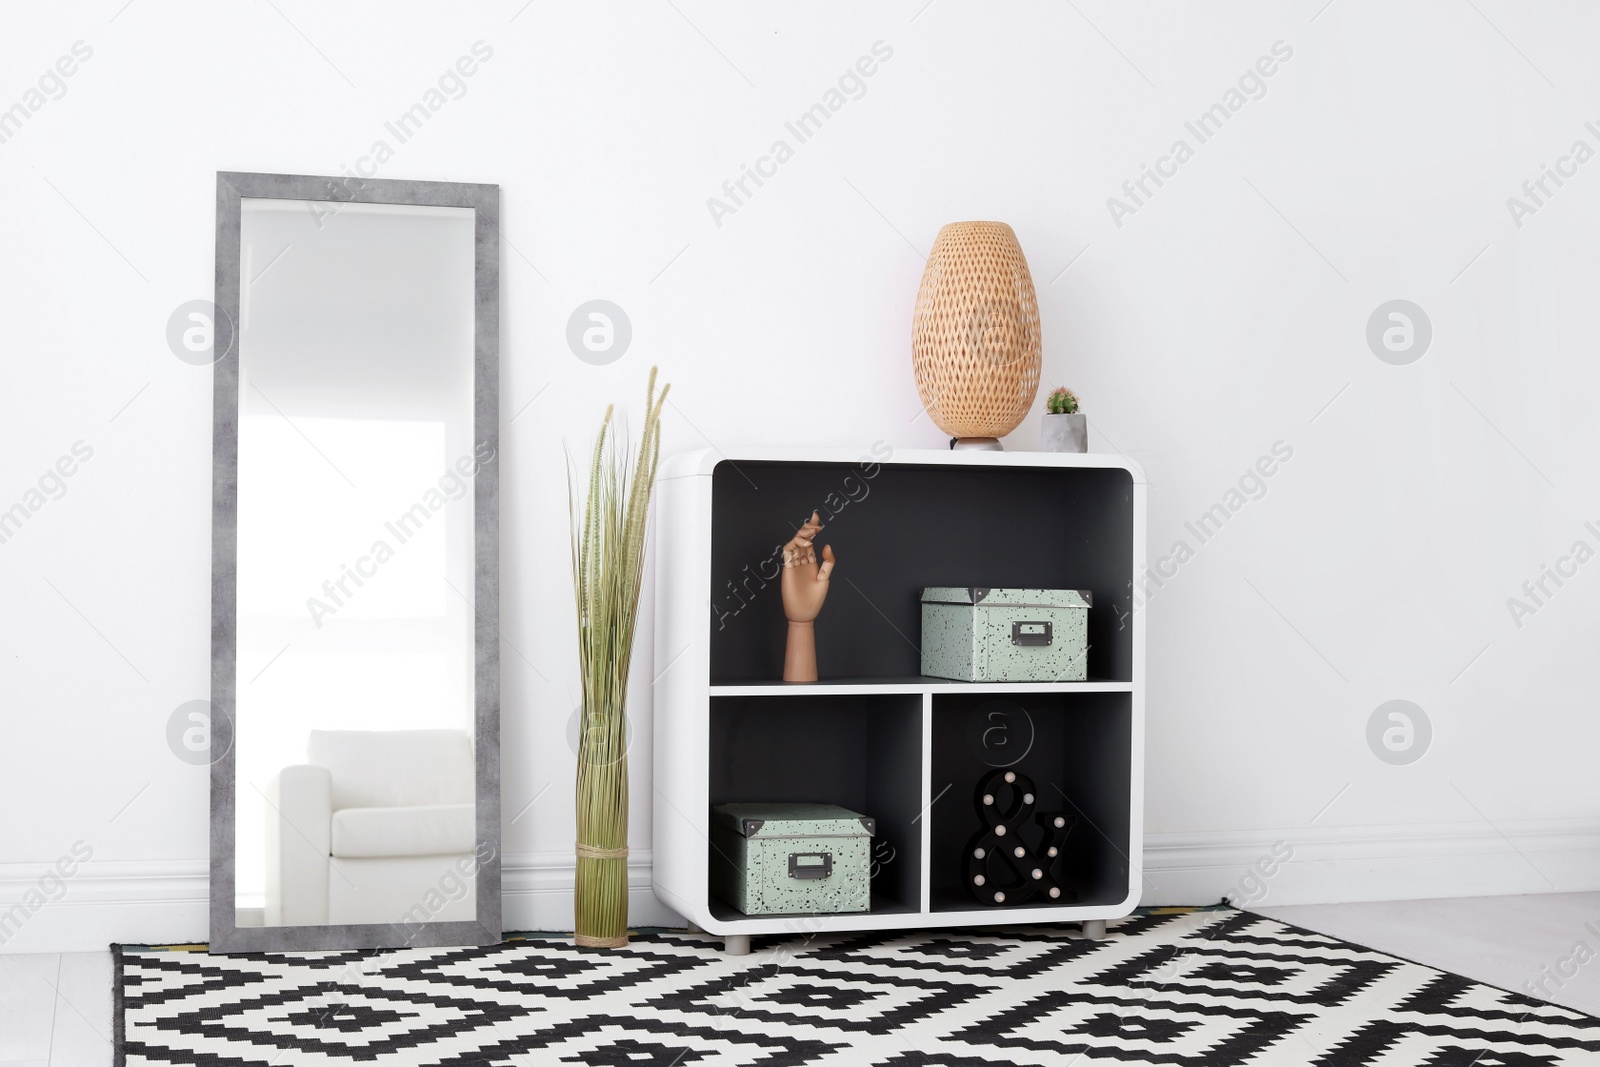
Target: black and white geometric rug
[(1171, 987)]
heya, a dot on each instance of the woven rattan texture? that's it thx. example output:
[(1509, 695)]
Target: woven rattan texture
[(975, 336)]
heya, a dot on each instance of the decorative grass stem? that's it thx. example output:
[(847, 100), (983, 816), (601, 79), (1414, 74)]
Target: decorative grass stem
[(608, 540)]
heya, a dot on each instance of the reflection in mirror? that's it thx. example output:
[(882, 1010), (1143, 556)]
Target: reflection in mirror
[(354, 750)]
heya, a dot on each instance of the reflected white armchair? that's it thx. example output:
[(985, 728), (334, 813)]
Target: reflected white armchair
[(375, 825)]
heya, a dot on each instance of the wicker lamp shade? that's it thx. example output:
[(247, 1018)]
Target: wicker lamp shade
[(975, 344)]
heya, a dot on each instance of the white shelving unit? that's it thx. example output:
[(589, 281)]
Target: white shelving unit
[(930, 686), (872, 735)]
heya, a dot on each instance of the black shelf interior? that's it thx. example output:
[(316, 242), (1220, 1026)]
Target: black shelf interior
[(860, 752), (898, 528), (1076, 748)]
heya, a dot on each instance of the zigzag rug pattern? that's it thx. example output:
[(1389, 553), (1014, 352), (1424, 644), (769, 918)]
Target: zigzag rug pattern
[(1176, 988)]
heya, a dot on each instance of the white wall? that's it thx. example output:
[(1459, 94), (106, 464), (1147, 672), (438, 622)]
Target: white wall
[(1227, 313)]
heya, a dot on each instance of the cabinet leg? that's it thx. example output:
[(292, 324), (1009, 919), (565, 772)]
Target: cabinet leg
[(1094, 929), (692, 928), (736, 944)]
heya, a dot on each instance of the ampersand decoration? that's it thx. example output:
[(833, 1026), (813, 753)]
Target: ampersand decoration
[(1002, 868)]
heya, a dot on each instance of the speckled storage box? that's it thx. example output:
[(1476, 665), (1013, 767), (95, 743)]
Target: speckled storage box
[(1005, 635), (791, 859)]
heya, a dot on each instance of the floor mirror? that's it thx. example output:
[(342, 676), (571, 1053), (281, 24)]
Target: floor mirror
[(355, 796)]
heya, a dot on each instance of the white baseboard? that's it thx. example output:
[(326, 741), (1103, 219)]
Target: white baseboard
[(105, 901), (1345, 864), (165, 901), (536, 892)]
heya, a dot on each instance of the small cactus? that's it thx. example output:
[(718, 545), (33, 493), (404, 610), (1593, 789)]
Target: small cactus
[(1062, 401)]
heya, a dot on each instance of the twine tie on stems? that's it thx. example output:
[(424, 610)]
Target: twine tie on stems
[(593, 853)]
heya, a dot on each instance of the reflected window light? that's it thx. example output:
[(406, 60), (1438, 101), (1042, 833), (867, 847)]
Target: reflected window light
[(337, 524)]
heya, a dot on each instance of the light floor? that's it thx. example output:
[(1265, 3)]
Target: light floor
[(55, 1010), (1504, 941)]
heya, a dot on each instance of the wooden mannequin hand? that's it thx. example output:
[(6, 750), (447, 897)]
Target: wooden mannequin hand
[(805, 584), (805, 587)]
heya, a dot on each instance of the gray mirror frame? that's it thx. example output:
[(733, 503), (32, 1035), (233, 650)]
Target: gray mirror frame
[(226, 934)]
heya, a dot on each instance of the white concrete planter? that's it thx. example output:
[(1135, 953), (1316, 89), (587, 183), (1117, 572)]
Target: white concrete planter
[(1066, 433)]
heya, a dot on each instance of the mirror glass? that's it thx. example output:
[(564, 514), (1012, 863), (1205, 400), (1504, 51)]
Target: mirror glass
[(354, 770)]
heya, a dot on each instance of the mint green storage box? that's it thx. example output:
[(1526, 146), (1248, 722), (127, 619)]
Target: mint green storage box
[(791, 859), (1005, 635)]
